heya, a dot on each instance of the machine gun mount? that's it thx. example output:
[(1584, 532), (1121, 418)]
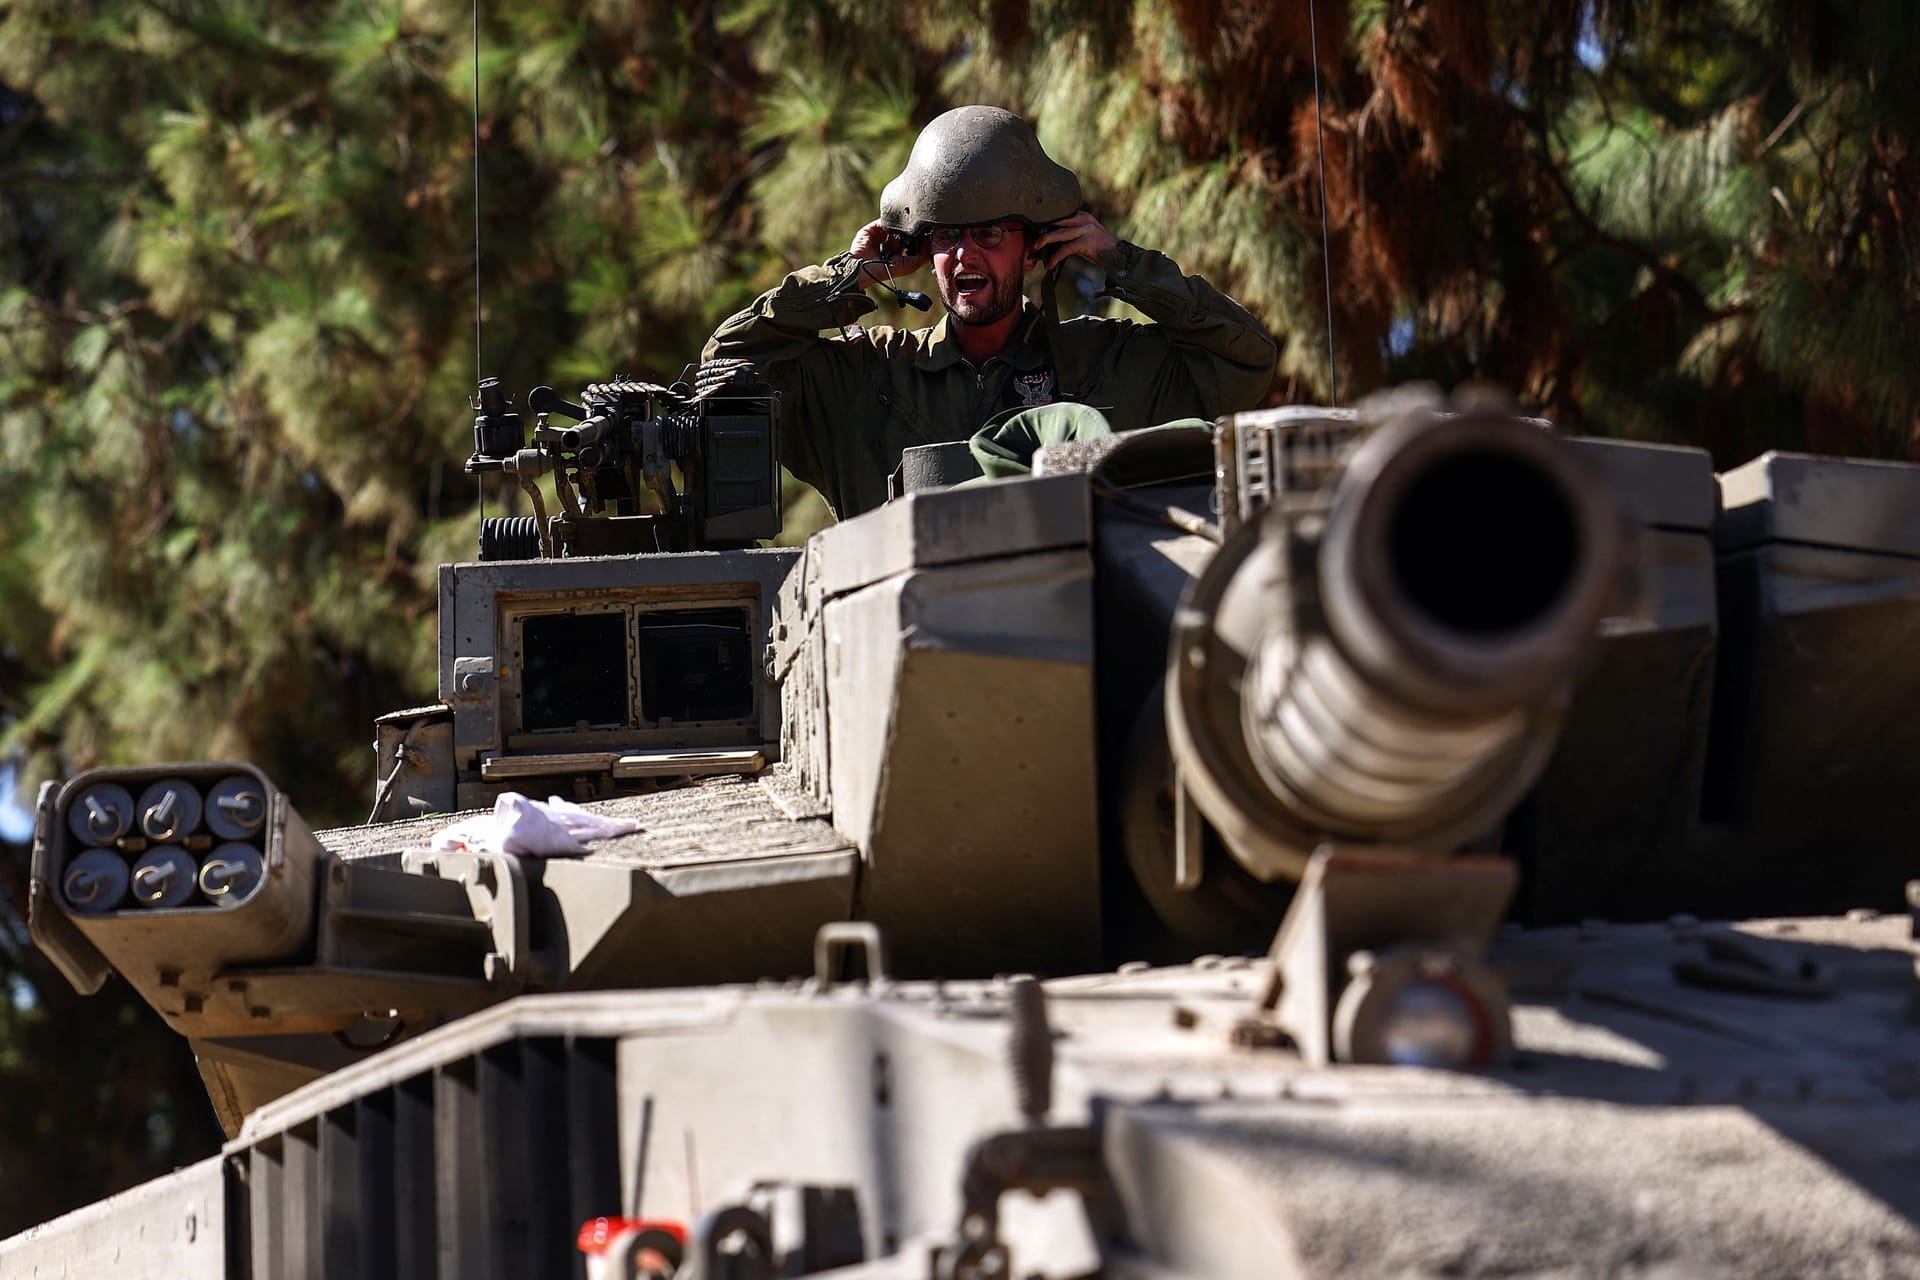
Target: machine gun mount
[(703, 447)]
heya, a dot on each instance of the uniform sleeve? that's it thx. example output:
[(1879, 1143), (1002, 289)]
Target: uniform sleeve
[(1203, 356), (780, 334)]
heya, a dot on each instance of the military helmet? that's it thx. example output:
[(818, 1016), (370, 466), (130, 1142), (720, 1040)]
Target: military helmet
[(975, 165)]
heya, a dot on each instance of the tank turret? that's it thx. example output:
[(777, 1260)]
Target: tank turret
[(1352, 655), (1262, 747)]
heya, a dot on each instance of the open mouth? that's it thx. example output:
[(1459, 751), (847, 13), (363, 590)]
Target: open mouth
[(969, 282)]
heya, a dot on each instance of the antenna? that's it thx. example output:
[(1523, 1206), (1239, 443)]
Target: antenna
[(479, 342), (1326, 255), (479, 348)]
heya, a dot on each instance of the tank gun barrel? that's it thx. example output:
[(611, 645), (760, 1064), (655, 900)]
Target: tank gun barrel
[(1382, 655)]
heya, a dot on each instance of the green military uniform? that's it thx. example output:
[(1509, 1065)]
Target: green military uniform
[(852, 402)]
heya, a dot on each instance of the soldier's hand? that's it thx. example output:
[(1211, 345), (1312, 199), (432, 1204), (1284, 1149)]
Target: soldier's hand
[(874, 243), (1080, 234)]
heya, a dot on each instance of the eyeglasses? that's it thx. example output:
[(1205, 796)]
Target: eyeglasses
[(947, 239)]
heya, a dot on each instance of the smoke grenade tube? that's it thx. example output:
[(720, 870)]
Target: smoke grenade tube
[(101, 814), (169, 810), (231, 873), (96, 882), (163, 877)]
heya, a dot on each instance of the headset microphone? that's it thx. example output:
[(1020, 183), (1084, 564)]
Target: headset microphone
[(907, 297)]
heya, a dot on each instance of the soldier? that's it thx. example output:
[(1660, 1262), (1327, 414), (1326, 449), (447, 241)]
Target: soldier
[(981, 200)]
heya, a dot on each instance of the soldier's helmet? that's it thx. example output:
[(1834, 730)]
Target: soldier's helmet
[(975, 165)]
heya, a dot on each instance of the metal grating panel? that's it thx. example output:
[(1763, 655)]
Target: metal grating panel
[(415, 1229), (593, 1153), (458, 1156), (482, 1169)]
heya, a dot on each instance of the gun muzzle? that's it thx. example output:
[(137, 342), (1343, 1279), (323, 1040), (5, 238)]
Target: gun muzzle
[(590, 432), (1385, 661)]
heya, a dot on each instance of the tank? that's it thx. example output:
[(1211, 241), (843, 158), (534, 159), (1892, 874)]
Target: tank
[(1386, 841)]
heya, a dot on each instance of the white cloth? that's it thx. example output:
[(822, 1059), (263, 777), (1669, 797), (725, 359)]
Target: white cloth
[(520, 825)]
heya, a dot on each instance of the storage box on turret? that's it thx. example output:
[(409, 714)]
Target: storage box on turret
[(1608, 829), (1810, 776)]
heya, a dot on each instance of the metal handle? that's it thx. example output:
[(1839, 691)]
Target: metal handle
[(837, 937)]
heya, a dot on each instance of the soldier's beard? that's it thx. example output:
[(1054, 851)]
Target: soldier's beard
[(982, 307)]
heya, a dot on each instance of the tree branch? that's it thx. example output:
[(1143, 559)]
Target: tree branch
[(1675, 280)]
